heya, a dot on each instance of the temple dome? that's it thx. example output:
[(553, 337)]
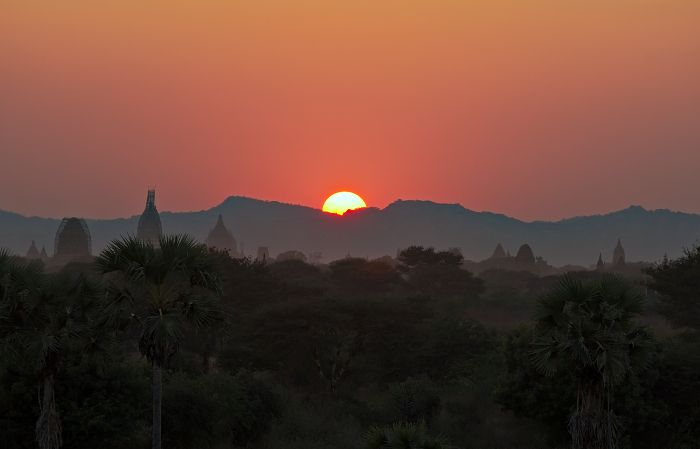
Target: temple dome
[(291, 255), (525, 255), (72, 240), (221, 238)]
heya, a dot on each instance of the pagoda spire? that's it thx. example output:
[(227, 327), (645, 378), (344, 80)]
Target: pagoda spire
[(32, 252), (149, 226), (222, 239), (499, 252), (619, 257)]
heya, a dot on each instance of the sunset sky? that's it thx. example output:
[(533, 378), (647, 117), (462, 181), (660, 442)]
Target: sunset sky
[(539, 109)]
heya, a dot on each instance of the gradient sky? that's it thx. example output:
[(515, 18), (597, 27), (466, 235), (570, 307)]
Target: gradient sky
[(540, 109)]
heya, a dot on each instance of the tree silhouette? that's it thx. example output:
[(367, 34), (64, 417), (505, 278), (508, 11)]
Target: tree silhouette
[(678, 281), (333, 351), (42, 318), (415, 256), (438, 273), (357, 274), (163, 292), (588, 330), (403, 436)]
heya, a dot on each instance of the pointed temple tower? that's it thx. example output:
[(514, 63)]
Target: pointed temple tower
[(619, 254), (263, 254), (499, 252), (222, 239), (73, 241), (33, 252), (149, 228), (600, 265)]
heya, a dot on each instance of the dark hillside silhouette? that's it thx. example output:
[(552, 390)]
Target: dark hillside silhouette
[(647, 235)]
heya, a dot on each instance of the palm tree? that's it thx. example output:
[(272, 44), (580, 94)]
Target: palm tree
[(589, 330), (403, 436), (163, 291), (43, 319)]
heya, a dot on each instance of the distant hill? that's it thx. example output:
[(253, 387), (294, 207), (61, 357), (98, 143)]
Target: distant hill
[(646, 235)]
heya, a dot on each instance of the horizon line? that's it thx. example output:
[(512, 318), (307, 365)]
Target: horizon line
[(221, 203)]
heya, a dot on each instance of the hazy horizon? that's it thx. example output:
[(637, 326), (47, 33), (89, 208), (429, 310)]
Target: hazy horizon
[(138, 210)]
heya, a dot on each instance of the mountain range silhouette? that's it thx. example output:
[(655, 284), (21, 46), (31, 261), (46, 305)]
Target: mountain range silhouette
[(647, 235)]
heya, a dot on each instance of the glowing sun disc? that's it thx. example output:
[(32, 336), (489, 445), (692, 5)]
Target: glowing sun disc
[(341, 202)]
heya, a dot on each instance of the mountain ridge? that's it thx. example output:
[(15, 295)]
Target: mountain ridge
[(647, 234)]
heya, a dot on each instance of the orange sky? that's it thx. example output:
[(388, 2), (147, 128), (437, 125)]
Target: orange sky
[(536, 108)]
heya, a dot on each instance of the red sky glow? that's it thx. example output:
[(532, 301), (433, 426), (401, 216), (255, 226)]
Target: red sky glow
[(539, 109)]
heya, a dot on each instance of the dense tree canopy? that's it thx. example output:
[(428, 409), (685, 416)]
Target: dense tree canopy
[(413, 352), (678, 282)]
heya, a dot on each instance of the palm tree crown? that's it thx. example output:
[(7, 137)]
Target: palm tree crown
[(163, 291), (589, 330), (42, 318)]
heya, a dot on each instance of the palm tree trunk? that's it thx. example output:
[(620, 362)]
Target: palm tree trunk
[(592, 426), (48, 426), (157, 404)]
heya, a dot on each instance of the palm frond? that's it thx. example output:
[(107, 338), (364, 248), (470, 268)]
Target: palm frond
[(161, 336), (165, 289), (200, 310), (546, 355), (589, 329), (376, 438), (128, 256)]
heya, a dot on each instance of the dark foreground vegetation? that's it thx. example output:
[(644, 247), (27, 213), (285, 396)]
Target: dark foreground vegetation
[(230, 353)]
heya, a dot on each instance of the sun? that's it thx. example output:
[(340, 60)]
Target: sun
[(341, 202)]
